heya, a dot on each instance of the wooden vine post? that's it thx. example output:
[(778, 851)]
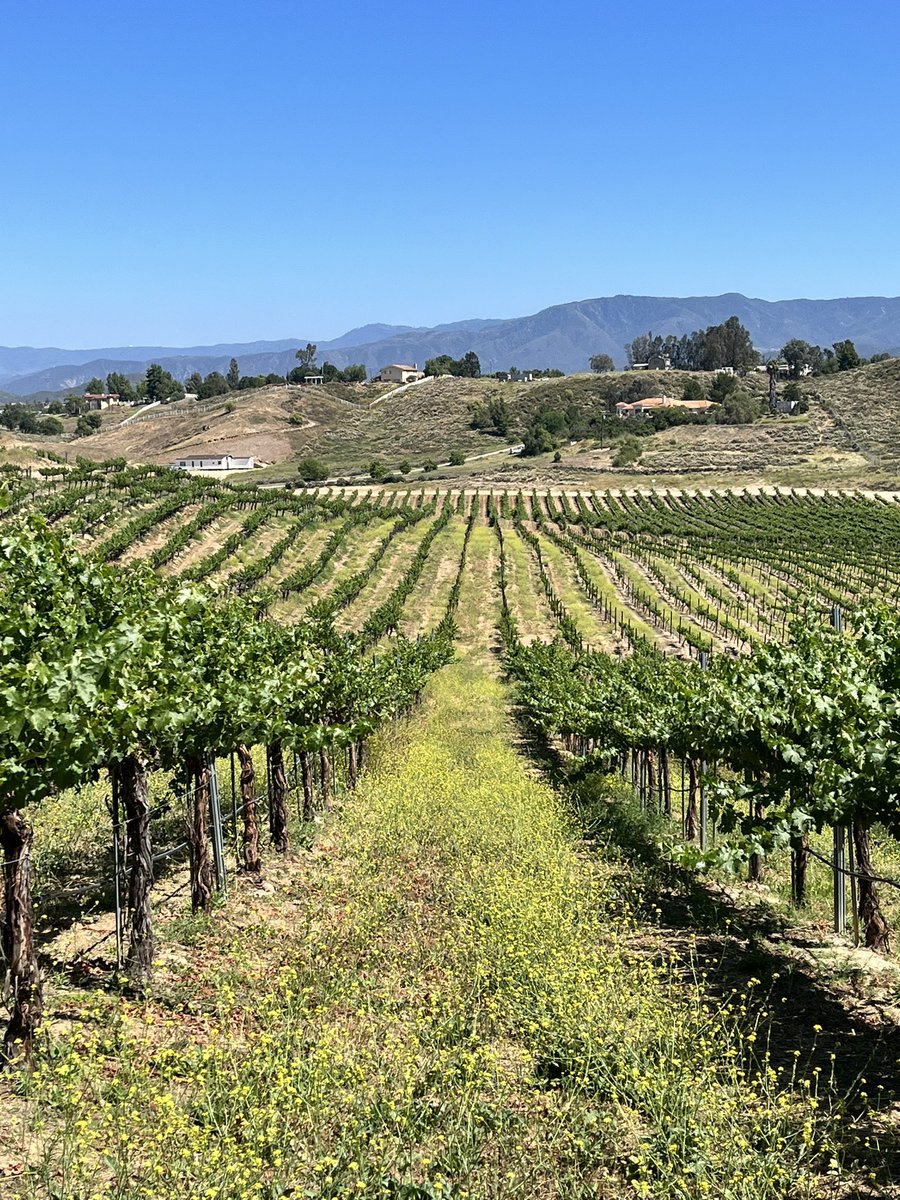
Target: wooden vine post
[(198, 833), (250, 840), (132, 782), (875, 927), (278, 794), (22, 985)]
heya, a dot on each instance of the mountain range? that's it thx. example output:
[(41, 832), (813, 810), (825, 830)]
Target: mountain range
[(563, 336)]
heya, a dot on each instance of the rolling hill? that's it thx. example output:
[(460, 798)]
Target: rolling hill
[(851, 433)]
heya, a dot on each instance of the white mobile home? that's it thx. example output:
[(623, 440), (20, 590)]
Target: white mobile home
[(215, 462)]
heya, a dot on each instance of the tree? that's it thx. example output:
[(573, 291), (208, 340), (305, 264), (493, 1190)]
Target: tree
[(355, 373), (846, 356), (601, 363), (215, 384), (51, 427), (722, 385), (492, 417), (234, 375), (56, 408), (87, 424), (28, 421), (640, 349), (120, 385), (74, 405), (469, 366), (311, 470), (498, 412), (307, 356), (537, 440), (725, 345), (94, 387), (693, 390), (405, 467), (377, 470), (801, 357), (159, 386), (730, 345), (442, 364), (738, 408)]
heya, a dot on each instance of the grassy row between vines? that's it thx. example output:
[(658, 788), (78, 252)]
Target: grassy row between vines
[(439, 1000)]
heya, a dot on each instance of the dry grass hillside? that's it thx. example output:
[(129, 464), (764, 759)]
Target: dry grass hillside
[(865, 403), (851, 430), (771, 442)]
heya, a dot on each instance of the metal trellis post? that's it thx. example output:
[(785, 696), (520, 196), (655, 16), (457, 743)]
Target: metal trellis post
[(839, 853), (215, 812), (117, 868), (704, 803)]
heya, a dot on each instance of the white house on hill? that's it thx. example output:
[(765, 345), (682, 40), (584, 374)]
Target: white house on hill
[(400, 373), (215, 462), (98, 401)]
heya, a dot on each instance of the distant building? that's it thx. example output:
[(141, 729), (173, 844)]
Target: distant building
[(400, 373), (656, 362), (783, 369), (97, 401), (215, 462), (643, 408)]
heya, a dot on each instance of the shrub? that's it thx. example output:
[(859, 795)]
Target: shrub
[(693, 390), (88, 424), (538, 440), (628, 452), (311, 469), (739, 408), (457, 458), (429, 465), (723, 385)]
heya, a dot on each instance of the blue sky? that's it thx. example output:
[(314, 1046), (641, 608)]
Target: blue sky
[(181, 173)]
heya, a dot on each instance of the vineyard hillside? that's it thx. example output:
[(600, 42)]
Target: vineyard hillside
[(432, 841)]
